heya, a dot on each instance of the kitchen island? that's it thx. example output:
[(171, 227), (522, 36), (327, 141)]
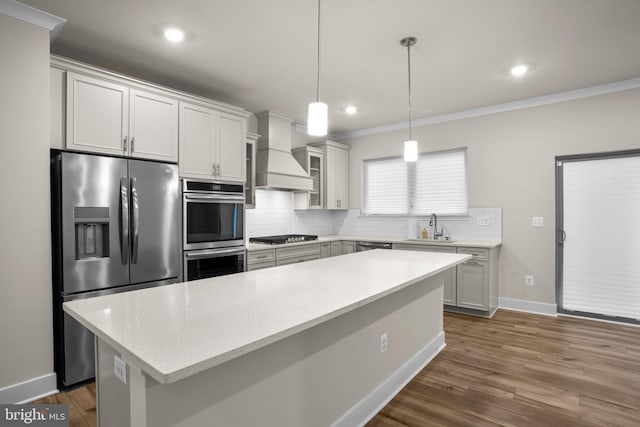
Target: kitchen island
[(320, 343)]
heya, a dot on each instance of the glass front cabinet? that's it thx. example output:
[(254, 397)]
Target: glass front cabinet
[(312, 160), (250, 184)]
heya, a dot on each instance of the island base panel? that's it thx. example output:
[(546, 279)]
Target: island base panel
[(331, 374)]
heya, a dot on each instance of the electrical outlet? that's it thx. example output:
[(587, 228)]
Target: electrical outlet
[(384, 342), (120, 369), (537, 221), (482, 221), (528, 280)]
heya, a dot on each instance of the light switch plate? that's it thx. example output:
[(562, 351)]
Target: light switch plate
[(537, 221), (120, 369)]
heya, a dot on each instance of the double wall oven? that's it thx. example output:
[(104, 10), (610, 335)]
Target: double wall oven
[(213, 229)]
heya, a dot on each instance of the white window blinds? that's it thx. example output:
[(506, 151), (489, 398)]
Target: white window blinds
[(601, 207), (436, 183), (385, 187), (441, 184)]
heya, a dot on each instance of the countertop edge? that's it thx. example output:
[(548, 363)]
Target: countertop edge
[(488, 244)]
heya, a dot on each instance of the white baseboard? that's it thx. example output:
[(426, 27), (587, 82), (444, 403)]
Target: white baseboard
[(29, 390), (371, 404), (527, 306)]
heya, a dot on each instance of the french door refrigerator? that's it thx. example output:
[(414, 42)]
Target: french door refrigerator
[(115, 228)]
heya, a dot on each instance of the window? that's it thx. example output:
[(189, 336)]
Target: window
[(436, 183), (385, 187)]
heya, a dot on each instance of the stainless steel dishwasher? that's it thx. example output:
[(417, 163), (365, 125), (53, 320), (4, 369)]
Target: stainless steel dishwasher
[(366, 246)]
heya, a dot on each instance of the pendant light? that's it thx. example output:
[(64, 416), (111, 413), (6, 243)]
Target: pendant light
[(318, 111), (410, 145)]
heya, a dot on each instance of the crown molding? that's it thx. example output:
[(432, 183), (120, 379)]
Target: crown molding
[(33, 16), (493, 109)]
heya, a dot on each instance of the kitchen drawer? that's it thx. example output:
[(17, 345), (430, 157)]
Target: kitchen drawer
[(261, 256), (478, 253), (296, 259), (298, 251), (426, 248), (260, 265)]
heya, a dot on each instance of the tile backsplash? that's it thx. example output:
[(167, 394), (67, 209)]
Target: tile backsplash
[(274, 214)]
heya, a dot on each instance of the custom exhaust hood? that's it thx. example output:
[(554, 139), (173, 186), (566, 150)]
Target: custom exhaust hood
[(275, 166)]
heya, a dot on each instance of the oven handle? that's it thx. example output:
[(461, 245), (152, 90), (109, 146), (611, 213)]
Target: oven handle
[(214, 198), (212, 253)]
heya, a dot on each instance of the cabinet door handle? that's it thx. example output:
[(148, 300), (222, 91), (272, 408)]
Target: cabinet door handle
[(213, 169), (133, 141), (124, 144)]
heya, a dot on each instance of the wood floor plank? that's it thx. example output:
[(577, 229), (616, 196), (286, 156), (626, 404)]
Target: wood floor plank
[(515, 369)]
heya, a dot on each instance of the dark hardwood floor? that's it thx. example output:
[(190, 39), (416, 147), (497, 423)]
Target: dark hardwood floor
[(516, 369), (525, 370)]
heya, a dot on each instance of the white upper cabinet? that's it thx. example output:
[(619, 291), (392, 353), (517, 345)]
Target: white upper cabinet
[(337, 178), (336, 174), (231, 147), (108, 117), (197, 141), (97, 115), (153, 126), (212, 144), (312, 161), (99, 111)]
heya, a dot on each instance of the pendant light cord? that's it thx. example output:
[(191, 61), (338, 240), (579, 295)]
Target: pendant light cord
[(409, 73), (318, 73)]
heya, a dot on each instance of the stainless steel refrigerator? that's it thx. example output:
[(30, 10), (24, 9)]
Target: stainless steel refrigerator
[(115, 228)]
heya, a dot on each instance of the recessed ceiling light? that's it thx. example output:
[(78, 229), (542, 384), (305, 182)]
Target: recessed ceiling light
[(351, 109), (174, 35), (519, 70)]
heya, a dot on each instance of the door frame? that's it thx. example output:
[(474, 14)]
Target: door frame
[(559, 233)]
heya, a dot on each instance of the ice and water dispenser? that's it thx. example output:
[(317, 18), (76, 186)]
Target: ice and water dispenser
[(92, 232)]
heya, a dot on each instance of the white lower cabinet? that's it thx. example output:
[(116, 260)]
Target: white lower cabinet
[(348, 247), (325, 250), (336, 248), (296, 254), (261, 259), (473, 285), (450, 278), (284, 255)]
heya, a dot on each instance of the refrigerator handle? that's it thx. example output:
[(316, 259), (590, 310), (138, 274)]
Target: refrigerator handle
[(135, 219), (124, 220)]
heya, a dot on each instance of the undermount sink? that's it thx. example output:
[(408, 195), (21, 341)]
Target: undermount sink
[(429, 240)]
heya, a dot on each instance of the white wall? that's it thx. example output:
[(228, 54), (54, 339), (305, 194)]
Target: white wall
[(25, 253), (511, 164)]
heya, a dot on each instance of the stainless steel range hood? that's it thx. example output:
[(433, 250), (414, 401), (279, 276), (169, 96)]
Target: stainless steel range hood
[(275, 166)]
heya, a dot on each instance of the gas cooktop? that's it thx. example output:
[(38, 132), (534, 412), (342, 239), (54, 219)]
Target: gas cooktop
[(285, 238)]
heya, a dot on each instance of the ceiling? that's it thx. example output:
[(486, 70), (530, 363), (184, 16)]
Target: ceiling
[(261, 55)]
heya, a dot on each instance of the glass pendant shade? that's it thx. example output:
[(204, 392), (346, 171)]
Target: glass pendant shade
[(410, 150), (317, 119)]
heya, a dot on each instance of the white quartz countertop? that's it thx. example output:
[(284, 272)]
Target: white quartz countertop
[(174, 331), (322, 239)]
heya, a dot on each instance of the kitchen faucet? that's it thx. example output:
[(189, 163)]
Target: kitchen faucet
[(433, 220)]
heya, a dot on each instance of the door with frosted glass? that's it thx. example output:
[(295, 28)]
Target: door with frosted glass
[(598, 235)]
